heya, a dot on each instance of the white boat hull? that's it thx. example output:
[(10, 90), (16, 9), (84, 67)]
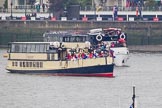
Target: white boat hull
[(121, 55)]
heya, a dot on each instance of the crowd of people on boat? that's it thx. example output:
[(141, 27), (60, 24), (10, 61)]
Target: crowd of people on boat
[(120, 43), (101, 50)]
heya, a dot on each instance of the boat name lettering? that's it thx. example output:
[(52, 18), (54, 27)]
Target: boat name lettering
[(30, 57)]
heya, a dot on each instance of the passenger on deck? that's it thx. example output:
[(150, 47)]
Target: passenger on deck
[(68, 56), (90, 55), (95, 54), (112, 44), (100, 54), (122, 42), (83, 55), (73, 56), (78, 55)]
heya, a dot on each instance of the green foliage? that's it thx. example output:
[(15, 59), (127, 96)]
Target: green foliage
[(5, 4), (61, 4), (77, 2), (56, 5), (84, 2), (150, 3)]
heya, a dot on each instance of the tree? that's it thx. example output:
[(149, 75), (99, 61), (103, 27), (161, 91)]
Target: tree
[(5, 5), (150, 3), (57, 6)]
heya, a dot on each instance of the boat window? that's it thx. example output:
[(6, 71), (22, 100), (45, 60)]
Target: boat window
[(77, 39), (34, 64), (24, 47), (13, 64), (30, 64), (46, 48), (41, 48), (60, 39), (27, 64), (23, 64), (20, 64), (16, 64), (81, 39), (72, 39), (41, 64), (32, 49), (37, 64), (37, 48), (29, 48), (66, 39), (20, 48), (17, 48), (53, 37), (13, 48)]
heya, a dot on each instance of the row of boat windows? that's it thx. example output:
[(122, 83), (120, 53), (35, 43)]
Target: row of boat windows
[(27, 64), (29, 48), (74, 39), (52, 37), (66, 39)]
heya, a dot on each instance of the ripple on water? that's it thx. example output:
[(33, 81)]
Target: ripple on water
[(143, 70)]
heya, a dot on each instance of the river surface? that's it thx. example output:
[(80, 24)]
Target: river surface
[(143, 70)]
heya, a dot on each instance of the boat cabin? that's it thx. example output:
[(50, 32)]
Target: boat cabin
[(94, 36), (36, 51), (65, 36)]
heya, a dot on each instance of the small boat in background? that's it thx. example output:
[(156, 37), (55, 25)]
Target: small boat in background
[(110, 39), (114, 39)]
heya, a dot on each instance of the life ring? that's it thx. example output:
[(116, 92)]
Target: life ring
[(122, 36), (99, 37)]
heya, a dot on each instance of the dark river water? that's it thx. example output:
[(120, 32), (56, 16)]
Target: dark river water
[(143, 70)]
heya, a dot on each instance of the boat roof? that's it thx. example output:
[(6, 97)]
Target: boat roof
[(112, 29), (64, 33), (98, 30), (28, 42)]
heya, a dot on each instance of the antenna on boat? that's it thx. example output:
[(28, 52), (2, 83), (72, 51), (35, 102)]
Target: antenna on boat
[(133, 98)]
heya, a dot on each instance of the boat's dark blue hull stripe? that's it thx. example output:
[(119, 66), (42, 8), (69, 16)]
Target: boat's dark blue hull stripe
[(81, 70)]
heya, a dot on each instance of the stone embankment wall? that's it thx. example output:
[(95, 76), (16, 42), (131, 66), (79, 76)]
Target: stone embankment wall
[(139, 33)]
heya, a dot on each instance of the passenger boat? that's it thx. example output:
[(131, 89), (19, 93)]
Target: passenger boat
[(113, 38), (118, 44), (58, 58)]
